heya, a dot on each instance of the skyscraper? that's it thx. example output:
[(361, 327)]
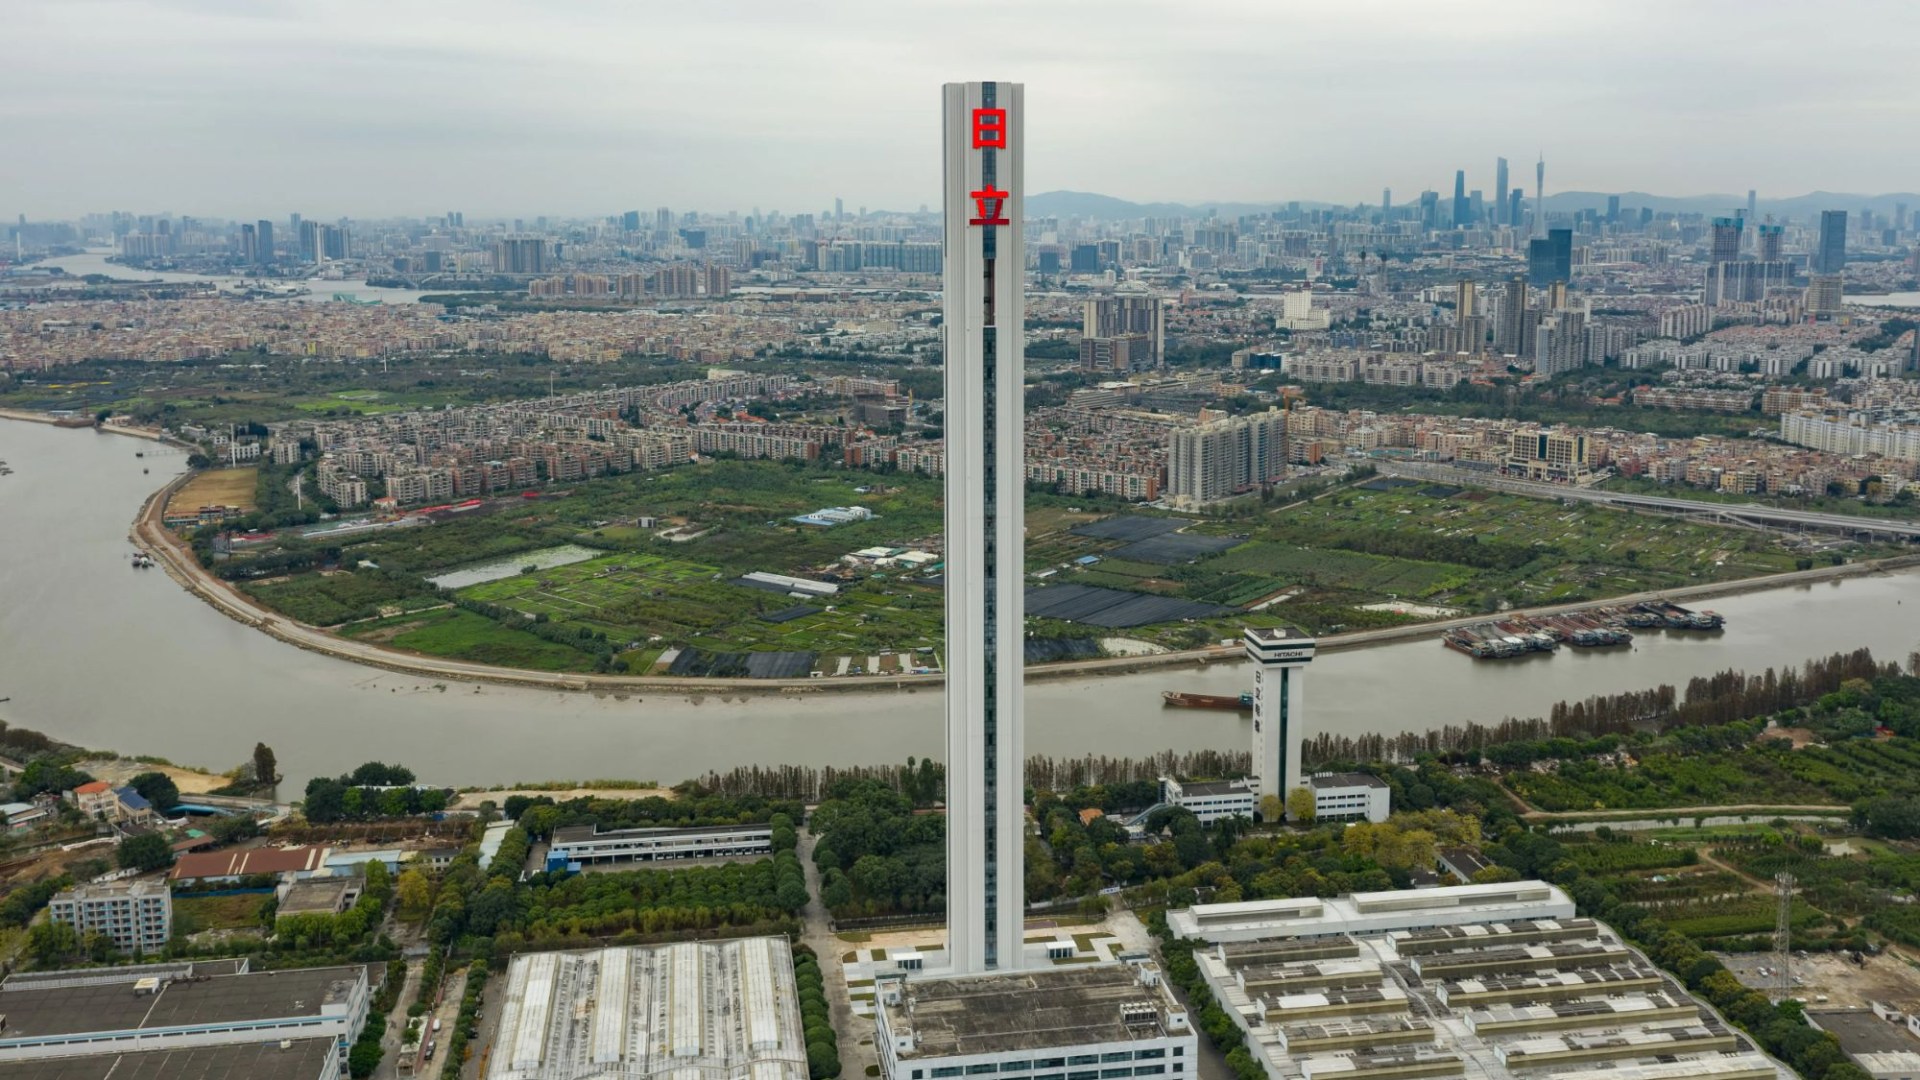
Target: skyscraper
[(1386, 203), (1613, 209), (1753, 212), (1500, 192), (1540, 197), (1831, 257), (1460, 217), (1129, 314), (1513, 333), (984, 314), (1514, 198), (263, 242), (1725, 246), (1770, 243), (1550, 257)]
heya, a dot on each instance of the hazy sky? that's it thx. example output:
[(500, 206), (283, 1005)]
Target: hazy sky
[(329, 107)]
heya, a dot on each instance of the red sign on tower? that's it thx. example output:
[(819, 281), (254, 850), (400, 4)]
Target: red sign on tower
[(992, 204), (989, 129)]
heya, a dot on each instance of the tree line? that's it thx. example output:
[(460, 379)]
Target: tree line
[(1709, 700), (923, 782)]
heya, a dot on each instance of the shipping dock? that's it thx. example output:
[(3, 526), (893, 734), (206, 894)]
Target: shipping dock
[(1598, 628)]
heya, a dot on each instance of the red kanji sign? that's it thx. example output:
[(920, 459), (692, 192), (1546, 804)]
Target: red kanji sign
[(992, 204), (990, 129)]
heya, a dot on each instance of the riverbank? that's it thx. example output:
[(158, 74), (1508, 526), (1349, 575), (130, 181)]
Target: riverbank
[(180, 563), (148, 533)]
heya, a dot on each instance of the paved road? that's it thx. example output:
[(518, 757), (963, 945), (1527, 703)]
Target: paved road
[(1745, 511), (397, 1024), (854, 1032)]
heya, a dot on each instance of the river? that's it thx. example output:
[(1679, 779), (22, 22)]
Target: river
[(1899, 299), (99, 654), (95, 262)]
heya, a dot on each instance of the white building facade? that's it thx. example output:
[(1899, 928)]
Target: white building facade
[(589, 844), (1280, 656), (137, 915), (984, 315), (1350, 797), (1211, 800)]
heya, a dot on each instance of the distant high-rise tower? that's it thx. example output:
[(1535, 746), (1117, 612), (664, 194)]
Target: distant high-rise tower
[(1831, 257), (839, 209), (1386, 203), (1540, 197), (1550, 257), (1753, 216), (1460, 216), (983, 308), (1514, 199), (263, 242), (1769, 243), (1725, 246), (1464, 298), (1500, 192), (1613, 209)]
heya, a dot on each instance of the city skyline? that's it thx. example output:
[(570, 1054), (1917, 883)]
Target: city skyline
[(359, 110)]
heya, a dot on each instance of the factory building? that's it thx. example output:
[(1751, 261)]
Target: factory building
[(574, 845), (716, 1011), (182, 1021), (1371, 913), (1474, 982)]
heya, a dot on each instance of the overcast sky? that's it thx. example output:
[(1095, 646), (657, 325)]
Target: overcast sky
[(242, 108)]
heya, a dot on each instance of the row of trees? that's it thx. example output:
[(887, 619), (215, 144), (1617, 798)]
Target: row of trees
[(539, 815), (816, 1019), (1709, 700), (923, 782)]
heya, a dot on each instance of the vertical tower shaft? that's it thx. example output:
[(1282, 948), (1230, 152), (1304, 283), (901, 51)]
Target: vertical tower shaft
[(983, 315)]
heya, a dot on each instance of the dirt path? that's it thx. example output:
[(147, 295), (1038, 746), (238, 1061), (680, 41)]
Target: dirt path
[(1681, 811)]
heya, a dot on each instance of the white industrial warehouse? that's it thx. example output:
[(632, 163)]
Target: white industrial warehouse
[(1479, 982), (712, 1011)]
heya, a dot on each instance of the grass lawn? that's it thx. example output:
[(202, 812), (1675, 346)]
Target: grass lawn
[(218, 487), (192, 914), (456, 633)]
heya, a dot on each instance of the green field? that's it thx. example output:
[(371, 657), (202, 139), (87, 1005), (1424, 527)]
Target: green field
[(1328, 558), (192, 914), (637, 598)]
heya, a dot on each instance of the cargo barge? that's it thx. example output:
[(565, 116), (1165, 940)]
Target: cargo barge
[(1242, 703)]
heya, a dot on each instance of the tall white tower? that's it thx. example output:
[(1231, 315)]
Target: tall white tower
[(1279, 656), (983, 310)]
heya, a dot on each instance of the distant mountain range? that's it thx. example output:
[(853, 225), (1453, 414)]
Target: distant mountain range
[(1086, 204)]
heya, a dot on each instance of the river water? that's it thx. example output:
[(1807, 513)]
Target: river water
[(95, 262), (99, 654)]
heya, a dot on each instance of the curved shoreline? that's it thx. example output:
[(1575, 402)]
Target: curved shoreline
[(148, 533)]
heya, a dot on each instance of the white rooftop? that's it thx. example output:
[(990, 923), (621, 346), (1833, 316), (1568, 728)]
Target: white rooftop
[(718, 1011), (1371, 913)]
